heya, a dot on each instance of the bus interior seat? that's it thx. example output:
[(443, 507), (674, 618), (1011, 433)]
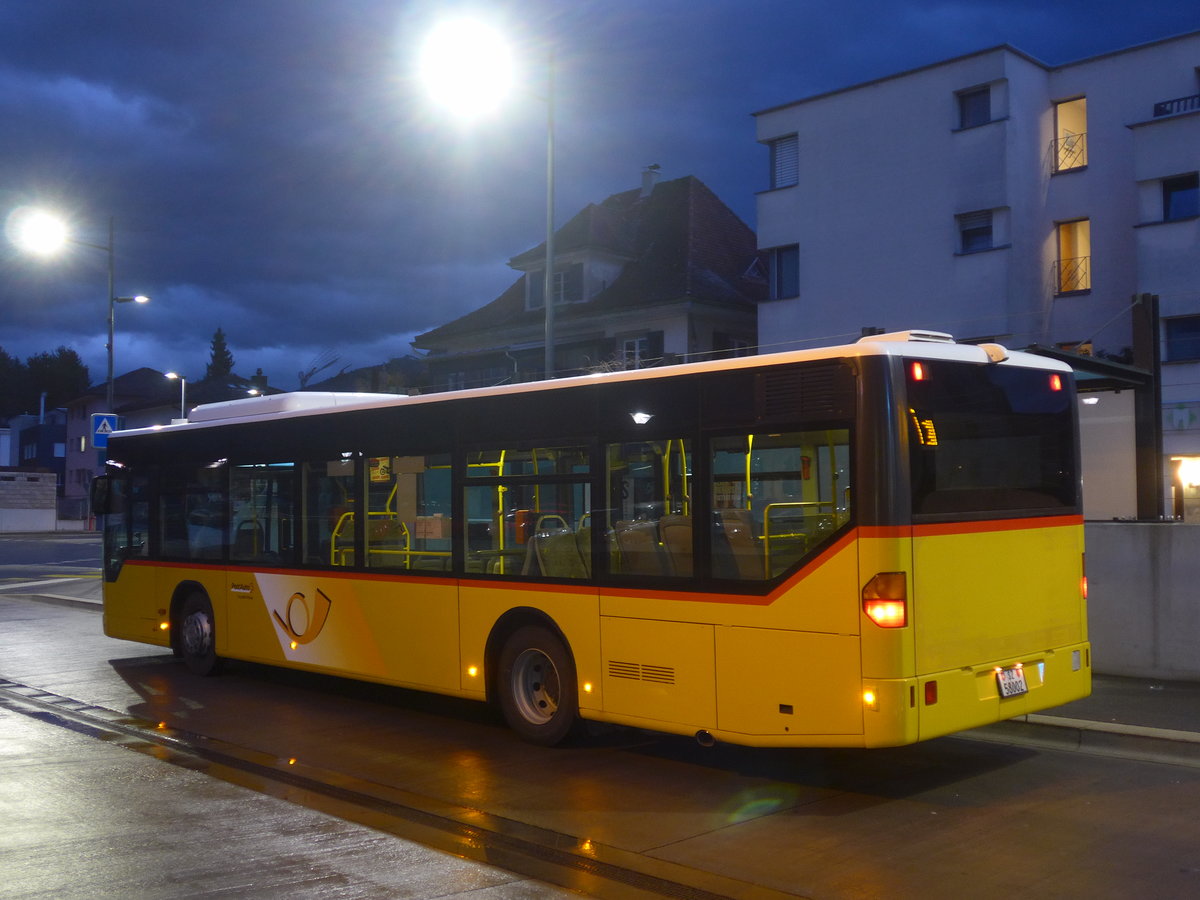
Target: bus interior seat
[(557, 555), (737, 527), (640, 551), (677, 538), (550, 522), (247, 540), (583, 543)]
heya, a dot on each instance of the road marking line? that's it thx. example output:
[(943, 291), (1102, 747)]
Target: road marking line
[(56, 581)]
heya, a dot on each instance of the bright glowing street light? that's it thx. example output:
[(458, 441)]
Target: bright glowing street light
[(182, 392), (38, 232), (45, 234), (467, 66)]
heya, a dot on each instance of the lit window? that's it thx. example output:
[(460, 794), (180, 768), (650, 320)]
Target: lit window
[(975, 231), (785, 161), (785, 272), (1181, 197), (975, 107), (1070, 135), (1073, 270)]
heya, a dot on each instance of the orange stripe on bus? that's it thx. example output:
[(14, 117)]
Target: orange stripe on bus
[(1030, 524)]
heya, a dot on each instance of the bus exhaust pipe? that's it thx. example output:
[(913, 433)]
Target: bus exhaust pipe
[(704, 739)]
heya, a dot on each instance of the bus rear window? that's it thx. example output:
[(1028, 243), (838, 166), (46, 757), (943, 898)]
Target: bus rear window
[(988, 439)]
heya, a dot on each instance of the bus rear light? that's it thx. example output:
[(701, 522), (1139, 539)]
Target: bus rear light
[(930, 693), (1083, 577), (919, 372), (886, 613), (1056, 382), (885, 600)]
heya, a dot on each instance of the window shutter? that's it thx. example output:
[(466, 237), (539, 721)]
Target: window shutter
[(785, 161)]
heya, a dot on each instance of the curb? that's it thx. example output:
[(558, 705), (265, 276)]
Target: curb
[(1137, 742)]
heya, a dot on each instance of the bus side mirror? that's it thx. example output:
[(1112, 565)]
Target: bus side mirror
[(101, 495)]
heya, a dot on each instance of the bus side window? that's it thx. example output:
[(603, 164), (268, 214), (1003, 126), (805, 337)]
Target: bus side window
[(649, 508), (409, 519), (262, 515), (192, 503), (528, 512), (327, 522), (777, 498)]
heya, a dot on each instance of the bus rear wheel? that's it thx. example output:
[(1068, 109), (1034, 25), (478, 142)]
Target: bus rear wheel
[(197, 642), (537, 688)]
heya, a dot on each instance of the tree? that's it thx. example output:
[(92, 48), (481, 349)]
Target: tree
[(13, 390), (220, 363), (61, 375)]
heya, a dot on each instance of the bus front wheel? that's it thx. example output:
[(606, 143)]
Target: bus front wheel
[(537, 688), (198, 635)]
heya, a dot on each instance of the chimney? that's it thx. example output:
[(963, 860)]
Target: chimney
[(649, 179)]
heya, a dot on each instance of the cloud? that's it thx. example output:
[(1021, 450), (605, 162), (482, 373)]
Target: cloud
[(273, 168)]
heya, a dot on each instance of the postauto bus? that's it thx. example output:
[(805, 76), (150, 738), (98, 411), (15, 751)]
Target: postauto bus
[(865, 545)]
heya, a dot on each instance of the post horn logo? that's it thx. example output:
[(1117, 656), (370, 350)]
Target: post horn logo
[(302, 622)]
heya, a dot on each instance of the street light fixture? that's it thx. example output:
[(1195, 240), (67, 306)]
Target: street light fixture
[(467, 66), (44, 234), (182, 392)]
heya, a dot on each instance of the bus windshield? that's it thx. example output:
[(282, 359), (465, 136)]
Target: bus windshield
[(986, 439)]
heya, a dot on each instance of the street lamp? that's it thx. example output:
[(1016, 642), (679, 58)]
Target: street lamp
[(467, 66), (44, 234), (182, 393)]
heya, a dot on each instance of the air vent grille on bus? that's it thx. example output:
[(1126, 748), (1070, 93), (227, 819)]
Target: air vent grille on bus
[(640, 672), (809, 390)]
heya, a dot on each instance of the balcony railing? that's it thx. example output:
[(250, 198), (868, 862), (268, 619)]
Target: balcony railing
[(1071, 275), (1069, 152), (1178, 105)]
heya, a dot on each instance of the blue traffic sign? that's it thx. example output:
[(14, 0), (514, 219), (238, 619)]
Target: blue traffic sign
[(103, 424)]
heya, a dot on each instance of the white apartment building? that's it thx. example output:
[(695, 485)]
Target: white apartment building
[(995, 196)]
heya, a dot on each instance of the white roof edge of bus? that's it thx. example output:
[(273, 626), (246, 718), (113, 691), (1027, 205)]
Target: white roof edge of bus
[(938, 337), (277, 403), (900, 343)]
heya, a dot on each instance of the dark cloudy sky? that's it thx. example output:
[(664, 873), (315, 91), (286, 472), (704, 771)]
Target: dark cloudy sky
[(273, 168)]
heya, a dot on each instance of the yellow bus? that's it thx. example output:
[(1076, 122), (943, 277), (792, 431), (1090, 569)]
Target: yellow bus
[(866, 545)]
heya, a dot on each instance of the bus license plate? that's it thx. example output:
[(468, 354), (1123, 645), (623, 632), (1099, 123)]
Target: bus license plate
[(1012, 682)]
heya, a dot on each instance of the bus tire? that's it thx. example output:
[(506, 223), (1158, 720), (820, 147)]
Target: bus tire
[(537, 687), (197, 642)]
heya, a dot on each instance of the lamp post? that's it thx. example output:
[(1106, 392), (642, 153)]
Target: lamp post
[(548, 291), (467, 66), (44, 234), (182, 393)]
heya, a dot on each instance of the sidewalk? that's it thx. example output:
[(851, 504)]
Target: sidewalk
[(1137, 718)]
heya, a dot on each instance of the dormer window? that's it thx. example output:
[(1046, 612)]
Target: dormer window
[(568, 286)]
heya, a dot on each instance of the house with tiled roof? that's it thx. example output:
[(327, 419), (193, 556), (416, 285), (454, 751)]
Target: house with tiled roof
[(664, 273)]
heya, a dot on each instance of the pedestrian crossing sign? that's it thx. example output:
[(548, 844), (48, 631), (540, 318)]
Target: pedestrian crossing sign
[(103, 424)]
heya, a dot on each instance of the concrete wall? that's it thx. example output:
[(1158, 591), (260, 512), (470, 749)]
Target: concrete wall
[(27, 501), (1144, 599)]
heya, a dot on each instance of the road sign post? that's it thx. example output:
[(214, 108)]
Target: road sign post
[(103, 424)]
